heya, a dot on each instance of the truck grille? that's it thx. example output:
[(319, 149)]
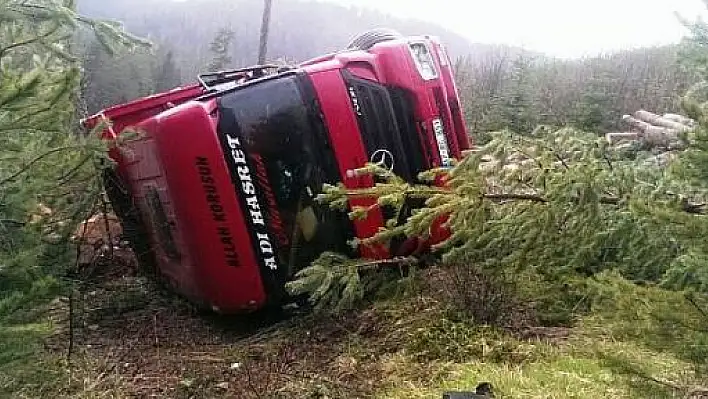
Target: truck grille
[(379, 127), (418, 155)]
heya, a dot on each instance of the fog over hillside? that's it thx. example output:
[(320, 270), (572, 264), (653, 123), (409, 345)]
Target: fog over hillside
[(495, 80), (300, 29)]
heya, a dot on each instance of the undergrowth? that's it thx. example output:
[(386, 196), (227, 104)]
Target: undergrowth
[(635, 342)]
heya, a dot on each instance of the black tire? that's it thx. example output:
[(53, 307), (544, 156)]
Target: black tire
[(370, 38)]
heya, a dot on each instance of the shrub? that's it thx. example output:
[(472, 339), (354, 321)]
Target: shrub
[(453, 339), (487, 297)]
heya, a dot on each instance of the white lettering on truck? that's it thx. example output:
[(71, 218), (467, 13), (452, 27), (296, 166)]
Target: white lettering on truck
[(264, 243)]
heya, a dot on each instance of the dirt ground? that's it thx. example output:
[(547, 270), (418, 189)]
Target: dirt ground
[(130, 338), (125, 336)]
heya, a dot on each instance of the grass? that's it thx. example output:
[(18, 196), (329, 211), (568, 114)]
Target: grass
[(25, 369), (580, 368), (638, 342)]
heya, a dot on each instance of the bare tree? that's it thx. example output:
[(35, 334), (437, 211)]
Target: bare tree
[(265, 24)]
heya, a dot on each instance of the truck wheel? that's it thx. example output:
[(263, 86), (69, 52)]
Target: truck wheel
[(368, 39)]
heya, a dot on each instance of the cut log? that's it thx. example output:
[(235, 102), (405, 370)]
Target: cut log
[(651, 134), (659, 136), (680, 119), (636, 123), (656, 120), (616, 137)]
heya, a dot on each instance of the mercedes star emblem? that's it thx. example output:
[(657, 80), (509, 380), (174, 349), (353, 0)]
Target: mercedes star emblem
[(383, 158)]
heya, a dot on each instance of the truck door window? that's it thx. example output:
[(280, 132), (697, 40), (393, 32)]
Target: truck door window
[(275, 126)]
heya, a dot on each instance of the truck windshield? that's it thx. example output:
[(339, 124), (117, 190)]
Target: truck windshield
[(274, 127)]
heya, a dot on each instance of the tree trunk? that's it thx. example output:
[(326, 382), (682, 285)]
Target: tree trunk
[(265, 23)]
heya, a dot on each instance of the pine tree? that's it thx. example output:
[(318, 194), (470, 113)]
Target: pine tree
[(558, 205), (517, 106), (594, 111), (111, 79), (220, 49), (47, 174), (167, 74)]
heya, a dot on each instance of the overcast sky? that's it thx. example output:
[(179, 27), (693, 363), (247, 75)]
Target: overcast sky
[(566, 28)]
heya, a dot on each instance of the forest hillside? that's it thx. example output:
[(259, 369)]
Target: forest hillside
[(575, 266), (501, 86), (300, 29)]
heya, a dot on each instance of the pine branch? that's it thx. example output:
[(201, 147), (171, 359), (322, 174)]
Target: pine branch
[(375, 264), (506, 197), (529, 156), (16, 123), (609, 163), (27, 42), (30, 129), (66, 177), (413, 192), (520, 197), (561, 160), (691, 208), (35, 160)]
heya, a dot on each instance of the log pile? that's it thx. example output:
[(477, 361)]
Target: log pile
[(662, 131)]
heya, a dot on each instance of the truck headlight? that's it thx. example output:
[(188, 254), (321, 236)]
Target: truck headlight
[(423, 60)]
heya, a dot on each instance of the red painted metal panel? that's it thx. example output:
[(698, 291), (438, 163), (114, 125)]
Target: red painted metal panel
[(128, 114), (349, 150), (222, 265)]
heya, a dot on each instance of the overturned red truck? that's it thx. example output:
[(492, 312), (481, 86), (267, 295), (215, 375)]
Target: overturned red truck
[(218, 188)]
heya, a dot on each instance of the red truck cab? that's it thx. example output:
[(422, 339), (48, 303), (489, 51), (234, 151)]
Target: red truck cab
[(222, 176)]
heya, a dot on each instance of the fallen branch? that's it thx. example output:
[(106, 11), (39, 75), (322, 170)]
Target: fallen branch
[(538, 198)]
